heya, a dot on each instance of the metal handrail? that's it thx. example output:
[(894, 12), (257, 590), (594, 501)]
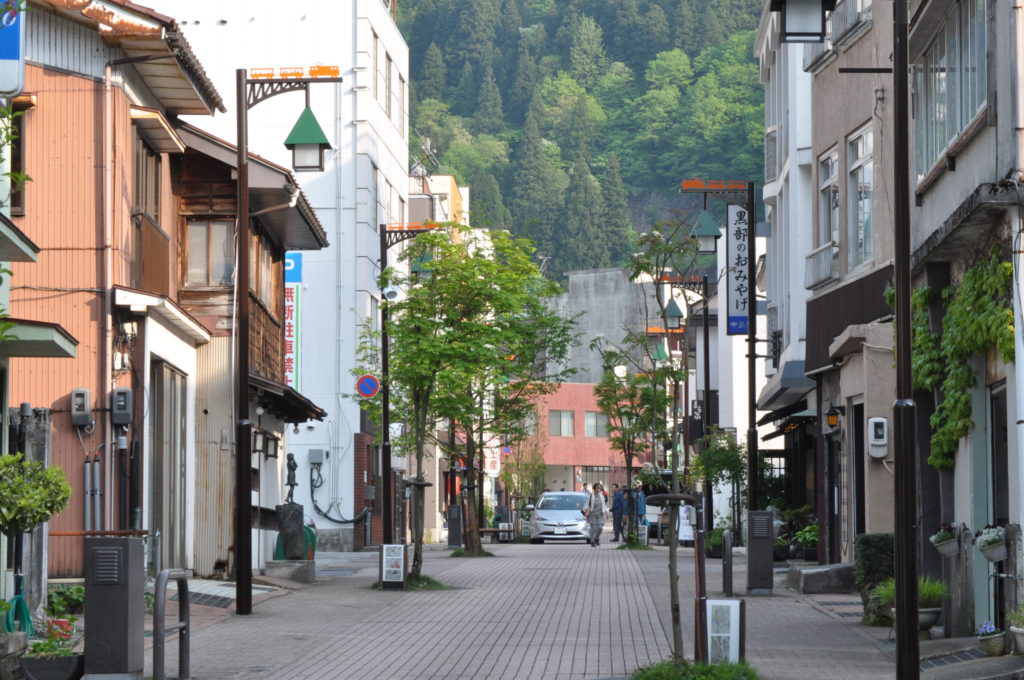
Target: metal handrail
[(160, 627)]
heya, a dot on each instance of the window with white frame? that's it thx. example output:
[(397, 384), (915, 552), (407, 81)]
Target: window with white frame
[(828, 198), (211, 253), (560, 424), (860, 196), (597, 424), (950, 82)]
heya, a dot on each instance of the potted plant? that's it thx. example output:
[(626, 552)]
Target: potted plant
[(53, 659), (714, 542), (780, 548), (930, 595), (63, 605), (1016, 621), (945, 540), (807, 538), (992, 639), (991, 541)]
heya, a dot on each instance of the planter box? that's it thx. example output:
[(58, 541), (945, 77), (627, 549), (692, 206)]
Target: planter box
[(995, 552), (1018, 639), (56, 668), (993, 645), (948, 548)]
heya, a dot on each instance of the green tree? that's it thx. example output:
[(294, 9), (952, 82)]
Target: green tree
[(580, 242), (522, 470), (465, 94), (472, 41), (433, 75), (536, 186), (587, 60), (616, 213), (487, 209), (489, 115), (671, 68)]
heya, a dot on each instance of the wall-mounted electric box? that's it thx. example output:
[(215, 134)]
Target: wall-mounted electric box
[(878, 437), (81, 407), (121, 402)]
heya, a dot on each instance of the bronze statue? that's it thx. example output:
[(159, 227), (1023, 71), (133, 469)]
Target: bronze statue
[(290, 482)]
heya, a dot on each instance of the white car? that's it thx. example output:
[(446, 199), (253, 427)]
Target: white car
[(558, 517)]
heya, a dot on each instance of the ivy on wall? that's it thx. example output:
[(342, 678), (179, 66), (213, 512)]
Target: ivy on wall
[(979, 315)]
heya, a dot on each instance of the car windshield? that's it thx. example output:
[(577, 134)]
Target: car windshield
[(566, 502)]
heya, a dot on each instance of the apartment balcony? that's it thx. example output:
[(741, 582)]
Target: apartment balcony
[(843, 23), (821, 266), (771, 155)]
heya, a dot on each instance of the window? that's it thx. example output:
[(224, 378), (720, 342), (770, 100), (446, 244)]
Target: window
[(388, 92), (560, 424), (597, 424), (828, 201), (860, 197), (950, 82), (401, 105), (17, 152), (530, 423), (146, 187), (266, 273), (376, 62), (211, 253)]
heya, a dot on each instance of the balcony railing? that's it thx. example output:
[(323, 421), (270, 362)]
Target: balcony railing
[(847, 16), (771, 155), (821, 266)]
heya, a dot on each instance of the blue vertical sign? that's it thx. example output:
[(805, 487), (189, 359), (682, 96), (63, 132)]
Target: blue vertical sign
[(737, 251), (292, 309), (293, 267), (12, 49)]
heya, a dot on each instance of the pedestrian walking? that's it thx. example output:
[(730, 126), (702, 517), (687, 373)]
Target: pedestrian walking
[(618, 508), (595, 510)]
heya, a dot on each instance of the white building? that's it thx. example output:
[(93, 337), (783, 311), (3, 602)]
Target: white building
[(363, 184)]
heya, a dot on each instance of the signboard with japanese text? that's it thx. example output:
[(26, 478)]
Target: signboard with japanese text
[(737, 254), (292, 296)]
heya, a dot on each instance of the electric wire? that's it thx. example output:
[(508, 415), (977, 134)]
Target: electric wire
[(316, 480)]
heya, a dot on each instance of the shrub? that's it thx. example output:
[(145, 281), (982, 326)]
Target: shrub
[(930, 592), (1016, 617), (674, 670), (873, 565), (716, 537), (808, 536), (66, 599)]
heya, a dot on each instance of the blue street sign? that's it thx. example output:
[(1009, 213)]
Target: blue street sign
[(506, 449), (293, 267), (12, 52), (367, 386)]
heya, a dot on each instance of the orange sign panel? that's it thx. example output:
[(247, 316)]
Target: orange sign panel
[(712, 185)]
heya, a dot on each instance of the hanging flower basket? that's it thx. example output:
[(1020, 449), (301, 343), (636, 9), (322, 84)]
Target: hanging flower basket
[(993, 645), (947, 548), (996, 552)]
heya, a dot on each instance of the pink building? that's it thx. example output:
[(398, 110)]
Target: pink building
[(577, 449)]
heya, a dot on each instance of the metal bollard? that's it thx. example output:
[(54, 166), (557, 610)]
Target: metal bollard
[(160, 627), (727, 562)]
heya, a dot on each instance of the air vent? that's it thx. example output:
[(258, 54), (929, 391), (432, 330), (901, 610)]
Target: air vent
[(107, 566), (761, 526)]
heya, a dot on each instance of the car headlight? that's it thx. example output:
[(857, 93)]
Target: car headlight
[(539, 518)]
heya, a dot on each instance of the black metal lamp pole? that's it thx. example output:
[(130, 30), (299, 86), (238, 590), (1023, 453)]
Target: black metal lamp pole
[(753, 468), (907, 647), (248, 93), (388, 528), (709, 520)]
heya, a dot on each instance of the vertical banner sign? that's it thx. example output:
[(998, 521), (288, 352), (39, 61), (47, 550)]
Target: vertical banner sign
[(737, 250), (12, 49), (292, 294)]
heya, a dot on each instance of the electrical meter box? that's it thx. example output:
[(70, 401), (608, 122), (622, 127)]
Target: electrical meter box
[(760, 549), (121, 402), (115, 584), (81, 407)]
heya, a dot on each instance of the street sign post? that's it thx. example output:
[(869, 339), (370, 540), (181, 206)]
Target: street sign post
[(367, 386)]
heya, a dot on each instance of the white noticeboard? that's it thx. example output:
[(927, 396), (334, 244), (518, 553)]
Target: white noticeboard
[(686, 522), (393, 569), (725, 631)]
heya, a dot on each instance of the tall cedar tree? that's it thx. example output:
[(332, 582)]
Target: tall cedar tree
[(579, 131), (475, 30), (581, 241), (535, 196), (465, 95), (489, 116), (616, 213), (507, 40), (433, 75), (525, 82), (587, 60), (487, 209)]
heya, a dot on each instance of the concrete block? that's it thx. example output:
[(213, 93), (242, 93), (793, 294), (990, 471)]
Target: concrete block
[(830, 578), (300, 571)]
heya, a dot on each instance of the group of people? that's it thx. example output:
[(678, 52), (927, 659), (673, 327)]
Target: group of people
[(596, 506)]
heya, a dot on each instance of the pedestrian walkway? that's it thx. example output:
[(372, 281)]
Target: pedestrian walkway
[(564, 612)]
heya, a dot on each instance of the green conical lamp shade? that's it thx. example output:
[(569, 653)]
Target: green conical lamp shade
[(307, 142), (706, 232)]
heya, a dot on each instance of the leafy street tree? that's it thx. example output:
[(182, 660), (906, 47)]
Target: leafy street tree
[(478, 321), (522, 470)]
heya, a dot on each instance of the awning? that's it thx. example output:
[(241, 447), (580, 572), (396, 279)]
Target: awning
[(781, 413), (793, 422), (14, 245), (788, 385), (157, 131), (38, 339), (283, 401), (163, 308)]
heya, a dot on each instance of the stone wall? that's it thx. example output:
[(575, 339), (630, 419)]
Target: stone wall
[(12, 647)]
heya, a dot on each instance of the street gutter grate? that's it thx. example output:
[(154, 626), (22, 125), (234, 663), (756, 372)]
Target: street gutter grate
[(207, 600), (965, 655)]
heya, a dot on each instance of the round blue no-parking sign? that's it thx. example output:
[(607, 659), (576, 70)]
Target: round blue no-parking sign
[(367, 386)]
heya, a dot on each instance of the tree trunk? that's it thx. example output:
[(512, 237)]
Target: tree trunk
[(673, 523), (472, 488)]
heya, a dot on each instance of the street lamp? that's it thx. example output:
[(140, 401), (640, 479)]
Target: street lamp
[(249, 93), (707, 234), (832, 415), (802, 20)]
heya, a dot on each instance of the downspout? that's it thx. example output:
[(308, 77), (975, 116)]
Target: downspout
[(108, 263), (1017, 103)]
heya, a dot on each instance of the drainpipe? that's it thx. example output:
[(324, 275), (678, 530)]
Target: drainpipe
[(107, 334), (1017, 103)]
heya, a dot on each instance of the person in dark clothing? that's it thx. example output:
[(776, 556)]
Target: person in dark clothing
[(618, 508)]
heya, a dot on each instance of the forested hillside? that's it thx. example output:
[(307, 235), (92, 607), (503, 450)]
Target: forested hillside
[(574, 121)]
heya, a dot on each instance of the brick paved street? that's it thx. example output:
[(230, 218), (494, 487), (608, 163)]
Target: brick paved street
[(531, 612)]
